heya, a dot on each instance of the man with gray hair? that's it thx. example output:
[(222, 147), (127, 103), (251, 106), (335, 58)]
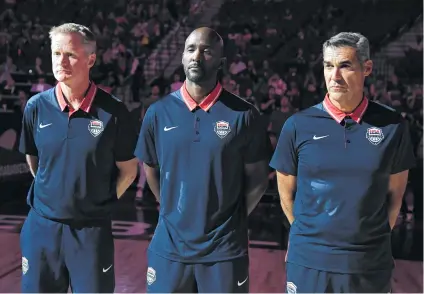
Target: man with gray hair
[(342, 168), (79, 143)]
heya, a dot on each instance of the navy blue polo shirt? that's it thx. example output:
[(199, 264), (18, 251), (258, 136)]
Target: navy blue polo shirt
[(77, 151), (343, 164), (201, 151)]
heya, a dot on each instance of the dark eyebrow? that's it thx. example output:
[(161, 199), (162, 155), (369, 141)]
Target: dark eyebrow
[(345, 62)]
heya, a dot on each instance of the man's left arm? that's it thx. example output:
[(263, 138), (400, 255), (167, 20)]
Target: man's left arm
[(256, 160), (403, 161), (125, 160)]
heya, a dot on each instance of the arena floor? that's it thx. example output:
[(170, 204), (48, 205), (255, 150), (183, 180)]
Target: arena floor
[(266, 268), (133, 227)]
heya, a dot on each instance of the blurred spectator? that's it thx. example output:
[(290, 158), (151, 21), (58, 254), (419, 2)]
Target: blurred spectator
[(279, 86), (40, 86), (177, 83), (39, 67), (155, 93), (280, 114), (250, 98), (6, 69), (23, 99), (237, 66), (395, 88), (268, 103), (310, 97), (9, 86)]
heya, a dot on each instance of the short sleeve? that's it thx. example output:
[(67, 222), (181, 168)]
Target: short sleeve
[(285, 156), (146, 144), (126, 138), (404, 158), (27, 142), (258, 146)]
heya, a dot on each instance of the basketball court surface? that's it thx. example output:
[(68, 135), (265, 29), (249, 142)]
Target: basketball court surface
[(133, 228)]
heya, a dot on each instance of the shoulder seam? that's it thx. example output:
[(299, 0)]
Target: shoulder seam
[(384, 105)]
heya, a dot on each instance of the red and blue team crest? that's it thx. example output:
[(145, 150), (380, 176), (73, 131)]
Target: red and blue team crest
[(375, 135), (222, 128), (95, 127)]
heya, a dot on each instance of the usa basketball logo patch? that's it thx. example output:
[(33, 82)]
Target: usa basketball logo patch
[(95, 127), (151, 276), (375, 135), (25, 265), (222, 128), (291, 288)]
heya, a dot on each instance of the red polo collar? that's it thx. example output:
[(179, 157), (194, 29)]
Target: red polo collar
[(207, 103), (86, 102), (339, 115)]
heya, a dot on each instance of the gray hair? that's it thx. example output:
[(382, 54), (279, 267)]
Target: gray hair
[(87, 37), (354, 40)]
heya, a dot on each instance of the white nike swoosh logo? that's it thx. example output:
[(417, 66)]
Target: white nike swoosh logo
[(239, 284), (105, 270), (168, 129), (317, 138), (43, 126)]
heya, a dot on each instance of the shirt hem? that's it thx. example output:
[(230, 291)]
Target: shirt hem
[(207, 259), (282, 170), (341, 271), (125, 158)]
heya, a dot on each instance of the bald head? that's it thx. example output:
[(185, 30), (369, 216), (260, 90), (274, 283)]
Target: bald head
[(209, 35), (203, 55)]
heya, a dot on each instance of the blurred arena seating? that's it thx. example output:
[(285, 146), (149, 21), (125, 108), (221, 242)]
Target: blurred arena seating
[(274, 58), (273, 50), (126, 31)]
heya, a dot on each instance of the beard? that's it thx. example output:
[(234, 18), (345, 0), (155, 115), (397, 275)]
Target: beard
[(199, 74), (195, 76)]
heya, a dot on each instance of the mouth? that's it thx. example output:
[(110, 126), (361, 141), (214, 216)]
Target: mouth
[(196, 70), (194, 67)]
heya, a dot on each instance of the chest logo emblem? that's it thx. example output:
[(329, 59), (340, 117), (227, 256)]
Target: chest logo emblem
[(374, 135), (320, 137), (95, 127), (222, 128)]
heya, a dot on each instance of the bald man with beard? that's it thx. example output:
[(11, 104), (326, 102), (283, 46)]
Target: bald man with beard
[(205, 157)]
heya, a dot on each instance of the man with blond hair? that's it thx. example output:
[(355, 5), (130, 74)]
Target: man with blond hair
[(74, 135)]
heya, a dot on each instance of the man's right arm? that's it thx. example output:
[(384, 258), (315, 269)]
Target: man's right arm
[(33, 164), (27, 144), (146, 152), (153, 179), (284, 161), (286, 190)]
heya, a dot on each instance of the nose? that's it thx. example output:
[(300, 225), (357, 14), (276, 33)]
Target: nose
[(197, 55), (62, 59), (336, 74)]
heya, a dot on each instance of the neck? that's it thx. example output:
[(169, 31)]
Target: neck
[(347, 105), (199, 91), (75, 93)]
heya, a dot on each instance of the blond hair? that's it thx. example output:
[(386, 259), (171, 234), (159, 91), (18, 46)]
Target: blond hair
[(87, 37)]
